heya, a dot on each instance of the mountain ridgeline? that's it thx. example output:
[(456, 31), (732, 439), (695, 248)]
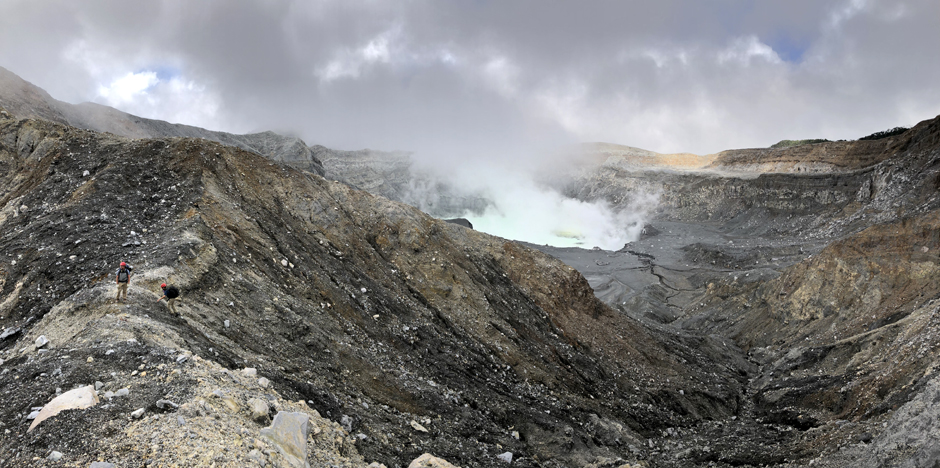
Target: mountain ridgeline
[(779, 309)]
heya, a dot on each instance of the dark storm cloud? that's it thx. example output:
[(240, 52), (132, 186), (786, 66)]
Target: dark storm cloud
[(471, 77)]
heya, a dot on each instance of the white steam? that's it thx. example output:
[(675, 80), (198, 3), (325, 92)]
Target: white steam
[(511, 204)]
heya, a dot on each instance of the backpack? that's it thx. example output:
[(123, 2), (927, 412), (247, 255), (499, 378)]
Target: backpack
[(126, 273), (172, 292)]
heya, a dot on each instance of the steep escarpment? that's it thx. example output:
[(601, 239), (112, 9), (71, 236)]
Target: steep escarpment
[(413, 334), (847, 335), (818, 261)]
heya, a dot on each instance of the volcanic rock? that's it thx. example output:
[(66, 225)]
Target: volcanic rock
[(779, 310), (78, 398), (430, 461), (259, 409), (288, 432)]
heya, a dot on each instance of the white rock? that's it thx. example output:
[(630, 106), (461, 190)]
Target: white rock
[(80, 398), (250, 372), (33, 415), (430, 461), (259, 409), (227, 323), (166, 404), (417, 426), (138, 413), (505, 456), (288, 432), (123, 392), (264, 383), (85, 173), (257, 456), (42, 341), (55, 456), (283, 262)]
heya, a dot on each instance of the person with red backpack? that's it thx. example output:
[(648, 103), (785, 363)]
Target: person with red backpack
[(123, 278), (171, 294)]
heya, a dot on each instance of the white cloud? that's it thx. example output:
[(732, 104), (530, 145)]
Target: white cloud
[(662, 75), (128, 89), (348, 63), (502, 75), (174, 99), (744, 50), (847, 11)]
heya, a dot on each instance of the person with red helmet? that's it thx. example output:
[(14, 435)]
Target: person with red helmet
[(123, 278), (171, 294)]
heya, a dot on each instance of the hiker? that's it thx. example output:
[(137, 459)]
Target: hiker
[(122, 278), (171, 294)]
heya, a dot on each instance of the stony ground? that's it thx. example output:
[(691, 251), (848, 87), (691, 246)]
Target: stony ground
[(782, 316), (380, 318)]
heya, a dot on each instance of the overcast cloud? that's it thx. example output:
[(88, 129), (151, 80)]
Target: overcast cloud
[(476, 76)]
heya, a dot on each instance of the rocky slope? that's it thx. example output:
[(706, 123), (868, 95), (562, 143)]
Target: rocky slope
[(368, 311), (778, 309), (819, 261), (816, 259)]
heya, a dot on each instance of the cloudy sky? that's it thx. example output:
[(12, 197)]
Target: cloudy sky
[(468, 76)]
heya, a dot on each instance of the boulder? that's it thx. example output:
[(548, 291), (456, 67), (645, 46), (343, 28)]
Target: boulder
[(80, 398), (166, 405), (288, 432), (460, 222), (417, 426), (41, 341), (259, 409), (430, 461)]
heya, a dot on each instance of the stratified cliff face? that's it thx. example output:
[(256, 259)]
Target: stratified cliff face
[(850, 333), (369, 311), (820, 261)]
